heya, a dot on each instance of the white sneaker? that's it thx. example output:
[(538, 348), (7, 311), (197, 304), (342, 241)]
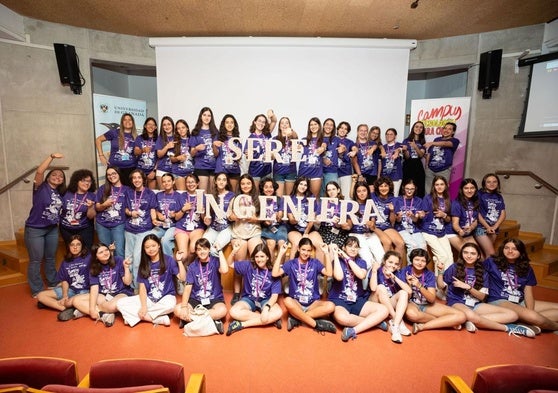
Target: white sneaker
[(162, 320), (395, 335), (403, 329), (108, 319), (470, 327), (78, 314)]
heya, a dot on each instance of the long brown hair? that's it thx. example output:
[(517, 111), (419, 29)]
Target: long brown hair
[(121, 130)]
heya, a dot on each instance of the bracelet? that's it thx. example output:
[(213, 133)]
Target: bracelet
[(52, 156), (420, 287)]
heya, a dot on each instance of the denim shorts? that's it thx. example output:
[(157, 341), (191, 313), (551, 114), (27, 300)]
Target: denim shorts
[(353, 308), (71, 292), (288, 177), (252, 303), (280, 234)]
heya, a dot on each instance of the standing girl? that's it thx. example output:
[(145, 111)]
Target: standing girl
[(465, 213), (41, 227), (261, 131), (203, 135), (274, 230), (121, 146), (182, 163), (330, 160), (78, 208), (144, 150), (392, 160), (492, 213), (408, 215), (366, 163), (109, 280), (391, 291), (258, 304), (413, 152), (165, 148), (110, 206), (346, 151), (440, 154), (156, 298), (227, 159), (352, 307), (285, 172), (311, 166), (423, 310), (303, 303), (467, 285)]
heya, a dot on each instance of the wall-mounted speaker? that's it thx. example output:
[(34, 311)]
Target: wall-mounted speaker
[(489, 72), (68, 66)]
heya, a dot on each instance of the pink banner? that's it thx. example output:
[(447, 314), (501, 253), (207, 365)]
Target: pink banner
[(434, 113)]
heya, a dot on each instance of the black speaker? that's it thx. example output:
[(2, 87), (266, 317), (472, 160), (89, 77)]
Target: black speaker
[(68, 66), (489, 72)]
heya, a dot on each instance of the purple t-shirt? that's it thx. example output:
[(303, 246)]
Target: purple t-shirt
[(466, 215), (191, 220), (45, 210), (427, 279), (458, 295), (303, 208), (205, 280), (223, 200), (392, 287), (412, 152), (185, 167), (357, 226), (392, 168), (225, 160), (257, 168), (288, 165), (74, 210), (75, 272), (491, 206), (404, 205), (331, 154), (110, 280), (164, 163), (441, 158), (350, 288), (141, 201), (259, 284), (168, 203), (383, 222), (368, 163), (507, 285), (344, 162), (311, 165), (433, 225), (204, 159), (146, 161), (121, 158), (303, 280), (114, 215), (159, 285)]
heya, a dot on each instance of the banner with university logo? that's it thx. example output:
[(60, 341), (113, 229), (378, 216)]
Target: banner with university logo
[(434, 113)]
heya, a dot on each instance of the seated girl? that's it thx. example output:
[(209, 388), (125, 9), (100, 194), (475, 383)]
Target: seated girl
[(157, 291), (467, 285), (464, 214), (167, 212), (331, 230), (303, 303), (352, 307), (423, 310), (258, 304), (492, 213), (218, 230), (203, 286), (408, 215), (73, 276), (393, 292), (274, 231), (109, 279)]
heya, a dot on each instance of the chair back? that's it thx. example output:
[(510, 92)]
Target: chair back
[(37, 372), (514, 378)]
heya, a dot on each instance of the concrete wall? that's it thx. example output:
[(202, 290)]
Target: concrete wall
[(38, 116)]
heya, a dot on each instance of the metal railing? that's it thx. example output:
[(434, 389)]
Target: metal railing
[(24, 176)]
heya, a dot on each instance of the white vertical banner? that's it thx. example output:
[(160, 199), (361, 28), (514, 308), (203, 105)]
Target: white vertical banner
[(107, 111), (434, 113)]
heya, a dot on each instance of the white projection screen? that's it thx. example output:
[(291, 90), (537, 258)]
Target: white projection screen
[(354, 80)]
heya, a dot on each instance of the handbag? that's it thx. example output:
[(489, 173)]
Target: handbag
[(202, 324)]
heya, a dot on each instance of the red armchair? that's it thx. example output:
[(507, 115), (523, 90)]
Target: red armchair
[(37, 372)]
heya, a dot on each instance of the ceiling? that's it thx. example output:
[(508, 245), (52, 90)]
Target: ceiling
[(291, 18)]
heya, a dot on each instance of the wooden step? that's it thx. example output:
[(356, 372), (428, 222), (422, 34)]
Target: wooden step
[(545, 265), (509, 228), (13, 264)]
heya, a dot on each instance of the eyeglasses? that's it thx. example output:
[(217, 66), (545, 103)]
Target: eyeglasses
[(112, 174), (86, 180)]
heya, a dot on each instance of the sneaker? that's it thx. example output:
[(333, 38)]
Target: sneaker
[(235, 298), (383, 326), (41, 305), (348, 334), (162, 320), (416, 328), (66, 315), (403, 329), (534, 328), (292, 323), (219, 326), (234, 326), (395, 335), (78, 314), (470, 327), (278, 324), (323, 325), (520, 330), (182, 323), (107, 319)]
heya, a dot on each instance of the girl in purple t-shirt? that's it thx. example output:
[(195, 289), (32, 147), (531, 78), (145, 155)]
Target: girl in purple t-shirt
[(492, 213), (258, 305), (311, 165), (165, 147), (201, 145), (109, 280), (121, 146), (156, 298), (227, 150), (413, 152), (189, 225), (260, 132), (144, 150), (303, 303), (218, 230), (41, 227), (465, 213), (182, 163), (392, 159), (285, 172)]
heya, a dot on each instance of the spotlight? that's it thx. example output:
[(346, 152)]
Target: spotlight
[(414, 4)]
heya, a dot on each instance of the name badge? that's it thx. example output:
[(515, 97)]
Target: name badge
[(258, 305), (335, 231), (351, 297), (205, 301), (470, 302), (303, 299), (513, 299), (108, 297)]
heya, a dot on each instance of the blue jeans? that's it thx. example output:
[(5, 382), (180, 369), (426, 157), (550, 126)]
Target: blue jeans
[(167, 239), (41, 243), (133, 252), (112, 235)]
